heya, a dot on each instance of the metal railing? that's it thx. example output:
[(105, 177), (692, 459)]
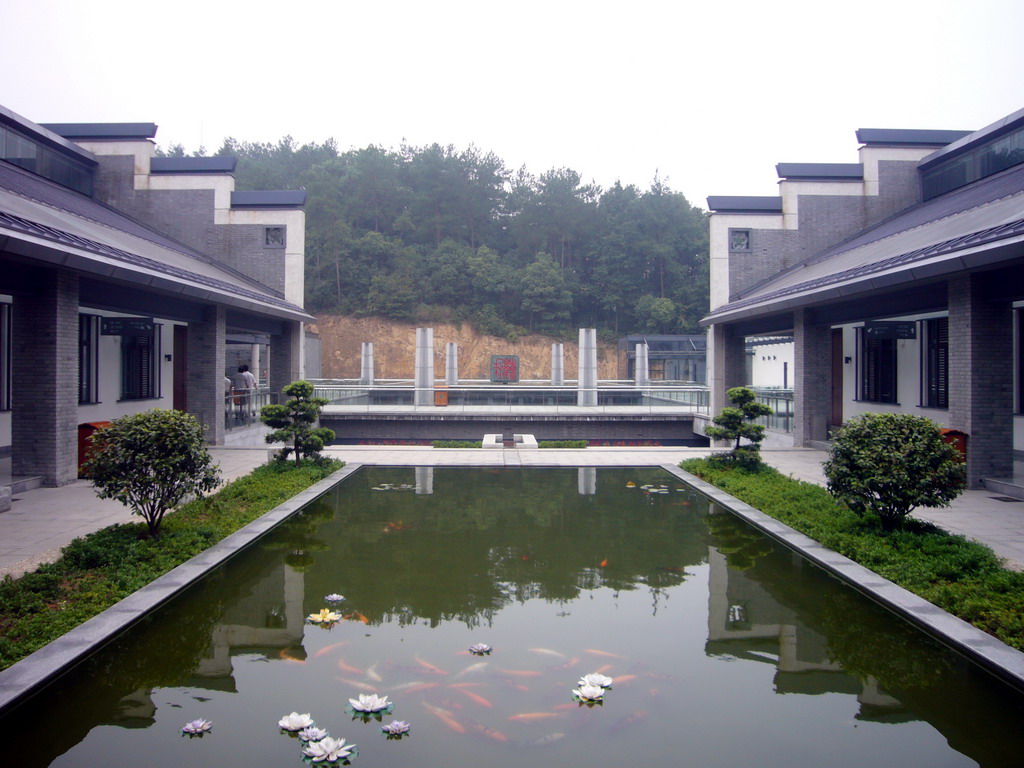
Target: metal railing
[(781, 403), (242, 407)]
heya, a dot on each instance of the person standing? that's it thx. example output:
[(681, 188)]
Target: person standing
[(245, 384)]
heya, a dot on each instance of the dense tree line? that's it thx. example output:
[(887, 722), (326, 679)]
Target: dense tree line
[(437, 234)]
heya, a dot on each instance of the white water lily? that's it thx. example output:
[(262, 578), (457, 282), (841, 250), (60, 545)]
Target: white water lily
[(312, 733), (395, 728), (334, 597), (480, 649), (328, 750), (595, 678), (196, 727), (589, 693), (295, 721), (370, 702), (326, 616)]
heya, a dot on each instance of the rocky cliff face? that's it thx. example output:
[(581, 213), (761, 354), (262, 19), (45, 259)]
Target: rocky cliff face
[(394, 348)]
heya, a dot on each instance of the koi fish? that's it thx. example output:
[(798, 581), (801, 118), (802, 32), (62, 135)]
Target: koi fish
[(620, 679), (464, 685), (547, 652), (445, 717), (420, 687), (357, 617), (603, 563), (490, 733), (371, 674), (521, 672), (472, 668), (629, 720), (566, 665), (428, 667), (604, 669), (604, 653), (520, 687), (328, 648), (349, 668), (358, 684), (475, 697), (525, 716), (283, 654), (551, 738), (410, 684)]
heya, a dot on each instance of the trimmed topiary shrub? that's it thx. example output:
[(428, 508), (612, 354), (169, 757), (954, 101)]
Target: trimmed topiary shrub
[(293, 422), (736, 422), (887, 464)]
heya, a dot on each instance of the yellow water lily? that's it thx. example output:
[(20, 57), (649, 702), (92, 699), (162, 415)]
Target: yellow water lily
[(326, 616)]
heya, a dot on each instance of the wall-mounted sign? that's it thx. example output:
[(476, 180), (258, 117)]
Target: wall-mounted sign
[(504, 369), (127, 326), (890, 329)]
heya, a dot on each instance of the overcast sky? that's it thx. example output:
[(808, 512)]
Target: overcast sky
[(708, 95)]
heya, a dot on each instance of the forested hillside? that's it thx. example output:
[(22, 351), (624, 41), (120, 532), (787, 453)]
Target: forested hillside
[(435, 234)]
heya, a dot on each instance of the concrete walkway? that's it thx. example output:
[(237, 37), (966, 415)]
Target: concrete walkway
[(42, 521)]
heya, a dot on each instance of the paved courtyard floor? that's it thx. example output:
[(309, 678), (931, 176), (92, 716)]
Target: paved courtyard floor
[(42, 521)]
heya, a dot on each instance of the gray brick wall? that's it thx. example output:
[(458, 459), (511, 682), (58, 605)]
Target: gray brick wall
[(981, 377), (44, 379), (812, 380), (205, 378), (284, 357)]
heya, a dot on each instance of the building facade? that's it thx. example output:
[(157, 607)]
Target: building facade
[(130, 282), (900, 279)]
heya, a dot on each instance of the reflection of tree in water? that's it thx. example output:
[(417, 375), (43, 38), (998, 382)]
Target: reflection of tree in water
[(741, 544), (485, 539)]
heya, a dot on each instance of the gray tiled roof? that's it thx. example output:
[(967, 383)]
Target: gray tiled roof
[(931, 233)]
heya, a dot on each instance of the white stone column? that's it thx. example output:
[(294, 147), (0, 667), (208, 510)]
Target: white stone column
[(557, 365), (641, 365), (424, 481), (366, 364), (451, 364), (587, 382), (424, 367)]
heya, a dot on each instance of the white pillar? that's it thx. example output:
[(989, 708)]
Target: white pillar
[(641, 365), (366, 364), (451, 364), (557, 365), (424, 366), (587, 385)]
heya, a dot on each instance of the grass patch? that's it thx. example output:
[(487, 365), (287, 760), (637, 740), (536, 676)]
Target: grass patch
[(98, 570), (960, 576)]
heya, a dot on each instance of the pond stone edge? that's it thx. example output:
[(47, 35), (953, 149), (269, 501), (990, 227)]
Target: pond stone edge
[(989, 652), (22, 679)]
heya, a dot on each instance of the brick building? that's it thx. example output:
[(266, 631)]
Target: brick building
[(900, 278), (126, 280)]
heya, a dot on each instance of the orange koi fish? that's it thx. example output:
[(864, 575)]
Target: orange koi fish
[(445, 717), (521, 672), (490, 733), (620, 679), (283, 654), (328, 648), (525, 716), (604, 669), (358, 684), (421, 687), (349, 668), (520, 687), (475, 697), (604, 653), (567, 664), (357, 617), (428, 667), (472, 668), (371, 674), (464, 685), (603, 563)]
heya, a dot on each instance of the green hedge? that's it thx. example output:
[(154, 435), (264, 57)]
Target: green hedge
[(99, 569), (457, 443), (960, 576), (562, 444)]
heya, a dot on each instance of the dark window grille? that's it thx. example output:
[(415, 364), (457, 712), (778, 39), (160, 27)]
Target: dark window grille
[(937, 362), (140, 366), (5, 357), (88, 358), (878, 369)]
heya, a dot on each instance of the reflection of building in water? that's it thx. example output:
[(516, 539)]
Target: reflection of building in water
[(424, 481), (269, 618), (586, 481), (746, 622)]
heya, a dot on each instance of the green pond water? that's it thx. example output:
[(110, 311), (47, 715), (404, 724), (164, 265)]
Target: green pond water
[(725, 648)]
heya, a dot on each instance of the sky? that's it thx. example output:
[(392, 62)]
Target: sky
[(706, 96)]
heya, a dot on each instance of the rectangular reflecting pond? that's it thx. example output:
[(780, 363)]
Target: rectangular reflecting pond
[(725, 648)]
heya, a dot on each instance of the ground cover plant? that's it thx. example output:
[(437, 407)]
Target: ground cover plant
[(457, 443), (960, 576), (562, 444), (97, 570)]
